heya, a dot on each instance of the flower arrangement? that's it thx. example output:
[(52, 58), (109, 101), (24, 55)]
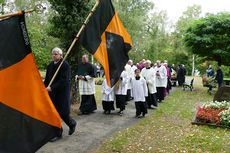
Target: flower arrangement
[(217, 105), (207, 81), (217, 113), (225, 117)]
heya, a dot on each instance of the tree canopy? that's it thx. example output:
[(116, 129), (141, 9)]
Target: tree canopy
[(209, 37), (153, 35)]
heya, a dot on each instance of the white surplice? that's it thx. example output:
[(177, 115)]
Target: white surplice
[(129, 71), (122, 89), (150, 76), (107, 93), (139, 89), (87, 87), (161, 81)]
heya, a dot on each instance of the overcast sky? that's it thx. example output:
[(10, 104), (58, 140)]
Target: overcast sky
[(175, 8)]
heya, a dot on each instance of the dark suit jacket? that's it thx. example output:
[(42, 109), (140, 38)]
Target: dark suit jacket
[(60, 94)]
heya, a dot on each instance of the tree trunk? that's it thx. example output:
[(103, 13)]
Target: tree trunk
[(193, 64), (75, 96)]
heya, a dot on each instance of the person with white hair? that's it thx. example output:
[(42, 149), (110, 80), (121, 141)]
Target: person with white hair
[(59, 90), (161, 80), (85, 75), (149, 74)]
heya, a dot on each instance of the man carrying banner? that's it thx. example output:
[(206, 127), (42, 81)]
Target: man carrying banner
[(59, 91), (85, 75)]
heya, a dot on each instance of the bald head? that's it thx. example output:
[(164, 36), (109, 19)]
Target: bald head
[(158, 63)]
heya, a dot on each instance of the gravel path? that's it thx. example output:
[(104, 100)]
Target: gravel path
[(91, 130)]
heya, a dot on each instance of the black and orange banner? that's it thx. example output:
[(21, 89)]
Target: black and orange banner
[(28, 118), (106, 38)]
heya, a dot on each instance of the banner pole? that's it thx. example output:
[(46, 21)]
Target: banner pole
[(74, 41), (38, 9)]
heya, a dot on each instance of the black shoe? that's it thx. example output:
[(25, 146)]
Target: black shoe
[(72, 128), (150, 107), (121, 113), (55, 139), (154, 107), (138, 116), (107, 112), (80, 113)]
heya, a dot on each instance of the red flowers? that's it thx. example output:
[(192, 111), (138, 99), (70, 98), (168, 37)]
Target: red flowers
[(209, 115)]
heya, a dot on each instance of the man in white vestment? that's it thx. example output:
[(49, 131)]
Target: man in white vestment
[(86, 74), (149, 74), (161, 80)]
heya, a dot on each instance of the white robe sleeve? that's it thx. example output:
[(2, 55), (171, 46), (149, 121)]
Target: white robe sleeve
[(109, 90), (145, 88), (125, 79), (88, 77), (163, 74), (103, 87), (132, 87)]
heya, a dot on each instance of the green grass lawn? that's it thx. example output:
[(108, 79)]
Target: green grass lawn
[(169, 129), (227, 79)]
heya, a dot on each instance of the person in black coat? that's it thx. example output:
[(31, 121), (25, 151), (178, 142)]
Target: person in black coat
[(181, 75), (219, 77), (59, 90)]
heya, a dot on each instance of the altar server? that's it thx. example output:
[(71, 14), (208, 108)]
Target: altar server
[(121, 91), (139, 92), (107, 97)]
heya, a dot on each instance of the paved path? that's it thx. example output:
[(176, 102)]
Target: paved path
[(91, 130)]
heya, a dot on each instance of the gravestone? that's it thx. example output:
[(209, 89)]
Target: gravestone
[(222, 94)]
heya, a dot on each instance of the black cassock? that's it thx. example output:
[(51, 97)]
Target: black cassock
[(88, 103), (181, 76), (60, 94)]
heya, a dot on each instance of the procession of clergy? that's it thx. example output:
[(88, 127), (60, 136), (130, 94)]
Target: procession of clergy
[(146, 85)]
